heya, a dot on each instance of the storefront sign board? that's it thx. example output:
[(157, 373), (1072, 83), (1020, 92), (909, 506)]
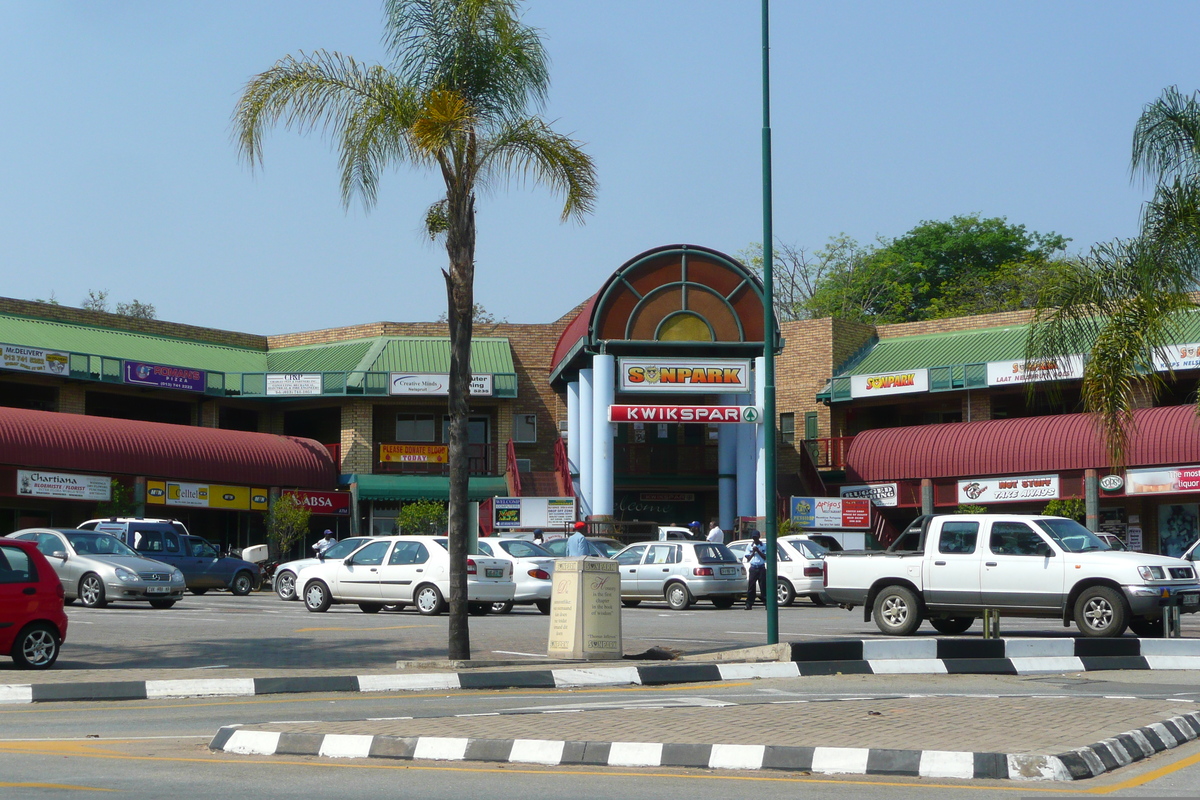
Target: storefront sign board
[(418, 453), (889, 383), (831, 512), (323, 502), (435, 384), (533, 512), (63, 485), (31, 359), (1178, 356), (1009, 489), (880, 494), (163, 376), (682, 375), (206, 495), (1002, 373), (284, 384), (1162, 480), (668, 414)]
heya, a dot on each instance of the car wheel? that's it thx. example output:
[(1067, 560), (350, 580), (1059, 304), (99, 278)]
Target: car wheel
[(678, 596), (316, 596), (395, 607), (161, 603), (502, 608), (1147, 627), (543, 606), (1100, 611), (897, 611), (36, 647), (285, 585), (91, 591), (951, 626), (478, 609), (198, 591), (631, 603), (429, 600), (817, 599), (723, 602), (785, 592), (243, 584), (371, 608)]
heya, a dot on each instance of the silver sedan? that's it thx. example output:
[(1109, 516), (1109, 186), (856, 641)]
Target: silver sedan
[(680, 573), (97, 568)]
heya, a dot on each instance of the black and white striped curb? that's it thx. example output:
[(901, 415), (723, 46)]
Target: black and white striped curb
[(1085, 762), (845, 656)]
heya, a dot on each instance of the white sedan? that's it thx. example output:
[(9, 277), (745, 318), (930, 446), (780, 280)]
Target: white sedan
[(799, 570), (400, 571), (533, 568), (285, 574)]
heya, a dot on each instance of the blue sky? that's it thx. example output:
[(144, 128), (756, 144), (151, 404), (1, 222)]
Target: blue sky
[(119, 173)]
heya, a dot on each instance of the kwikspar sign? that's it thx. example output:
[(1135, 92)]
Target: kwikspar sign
[(682, 375), (684, 414)]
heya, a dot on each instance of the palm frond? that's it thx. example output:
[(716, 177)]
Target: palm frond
[(1166, 139), (527, 149)]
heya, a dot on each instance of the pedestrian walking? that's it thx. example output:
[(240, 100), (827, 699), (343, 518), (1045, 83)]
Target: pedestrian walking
[(715, 534), (324, 544), (577, 543), (695, 529), (756, 558)]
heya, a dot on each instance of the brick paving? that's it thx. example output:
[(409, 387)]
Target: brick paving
[(1004, 725)]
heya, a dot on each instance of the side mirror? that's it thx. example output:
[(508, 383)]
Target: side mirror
[(1045, 550), (59, 554)]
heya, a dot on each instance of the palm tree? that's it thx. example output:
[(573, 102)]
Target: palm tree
[(465, 73), (1123, 303)]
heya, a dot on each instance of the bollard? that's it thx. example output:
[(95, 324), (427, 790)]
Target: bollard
[(991, 623)]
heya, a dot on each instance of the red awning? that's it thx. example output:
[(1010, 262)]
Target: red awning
[(1030, 445), (47, 440)]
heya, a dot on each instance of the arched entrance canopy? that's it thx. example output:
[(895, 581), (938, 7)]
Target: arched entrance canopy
[(671, 300)]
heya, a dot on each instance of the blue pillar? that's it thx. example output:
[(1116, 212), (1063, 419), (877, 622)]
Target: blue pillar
[(604, 370), (573, 434), (585, 442)]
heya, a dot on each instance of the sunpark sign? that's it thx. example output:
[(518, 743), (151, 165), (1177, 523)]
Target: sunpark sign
[(676, 375), (684, 414)]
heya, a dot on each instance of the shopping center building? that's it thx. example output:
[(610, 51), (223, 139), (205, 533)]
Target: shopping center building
[(641, 402)]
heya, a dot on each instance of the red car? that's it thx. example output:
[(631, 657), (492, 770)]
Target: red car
[(32, 621)]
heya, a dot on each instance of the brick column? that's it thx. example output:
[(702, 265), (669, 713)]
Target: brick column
[(1141, 396), (72, 398), (504, 432), (358, 437), (210, 415), (976, 406)]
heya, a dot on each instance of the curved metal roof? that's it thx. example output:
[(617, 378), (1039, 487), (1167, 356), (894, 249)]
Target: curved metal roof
[(48, 440), (1030, 445)]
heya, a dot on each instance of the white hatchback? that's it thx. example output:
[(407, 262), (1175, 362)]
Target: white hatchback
[(401, 571), (799, 573), (533, 571)]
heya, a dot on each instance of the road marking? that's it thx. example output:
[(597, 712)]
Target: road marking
[(62, 786), (386, 628), (515, 653)]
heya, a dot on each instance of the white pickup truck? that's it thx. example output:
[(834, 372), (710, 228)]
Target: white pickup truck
[(949, 568)]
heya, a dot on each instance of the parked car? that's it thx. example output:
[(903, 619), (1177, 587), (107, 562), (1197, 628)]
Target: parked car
[(284, 581), (799, 569), (533, 569), (402, 571), (32, 621), (949, 568), (96, 568), (604, 546), (681, 573), (666, 532), (830, 543), (200, 561), (1113, 541)]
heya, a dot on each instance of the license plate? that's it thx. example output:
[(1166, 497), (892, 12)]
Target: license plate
[(158, 589), (730, 570), (1190, 598), (493, 573)]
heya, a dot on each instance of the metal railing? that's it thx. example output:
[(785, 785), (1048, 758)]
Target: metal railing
[(829, 453), (511, 473), (562, 468)]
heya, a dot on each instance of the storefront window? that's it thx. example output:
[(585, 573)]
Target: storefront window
[(414, 428)]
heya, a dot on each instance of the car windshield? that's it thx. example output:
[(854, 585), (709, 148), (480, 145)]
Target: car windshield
[(808, 547), (606, 549), (711, 553), (1071, 536), (345, 547), (99, 544), (519, 548)]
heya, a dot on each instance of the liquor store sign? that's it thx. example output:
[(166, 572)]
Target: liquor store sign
[(685, 375)]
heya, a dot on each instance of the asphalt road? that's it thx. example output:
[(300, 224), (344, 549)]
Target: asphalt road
[(260, 631)]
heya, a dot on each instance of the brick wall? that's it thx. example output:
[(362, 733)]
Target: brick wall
[(357, 437), (72, 398)]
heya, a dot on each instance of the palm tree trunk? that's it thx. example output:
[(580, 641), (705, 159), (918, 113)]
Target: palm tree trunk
[(460, 289)]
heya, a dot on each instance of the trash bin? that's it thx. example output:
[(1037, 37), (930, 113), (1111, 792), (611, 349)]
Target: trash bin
[(585, 609)]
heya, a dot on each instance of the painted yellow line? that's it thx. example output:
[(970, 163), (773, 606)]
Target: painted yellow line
[(360, 629), (1153, 774), (62, 786)]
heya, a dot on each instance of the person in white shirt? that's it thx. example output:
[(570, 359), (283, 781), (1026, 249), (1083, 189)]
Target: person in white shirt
[(715, 534), (324, 544)]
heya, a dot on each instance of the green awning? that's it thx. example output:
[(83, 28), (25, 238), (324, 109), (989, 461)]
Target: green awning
[(422, 487)]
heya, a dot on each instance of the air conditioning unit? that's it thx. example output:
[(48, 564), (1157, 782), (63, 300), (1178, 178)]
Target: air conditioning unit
[(524, 465)]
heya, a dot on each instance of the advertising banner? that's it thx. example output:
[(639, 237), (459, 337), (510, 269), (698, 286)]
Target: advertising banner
[(435, 384), (681, 375), (533, 512), (1002, 373), (831, 512), (323, 502), (889, 383), (63, 485), (684, 414), (880, 494), (417, 453), (280, 384), (1008, 489), (1178, 356), (165, 377), (30, 359), (1162, 480), (206, 495)]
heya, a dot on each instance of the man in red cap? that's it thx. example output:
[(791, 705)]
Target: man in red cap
[(577, 543)]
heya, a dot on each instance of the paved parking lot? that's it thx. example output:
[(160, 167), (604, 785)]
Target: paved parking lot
[(219, 630)]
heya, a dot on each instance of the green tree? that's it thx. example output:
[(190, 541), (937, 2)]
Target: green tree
[(465, 74), (422, 517), (120, 502), (287, 522), (1071, 508), (798, 274), (1126, 301)]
